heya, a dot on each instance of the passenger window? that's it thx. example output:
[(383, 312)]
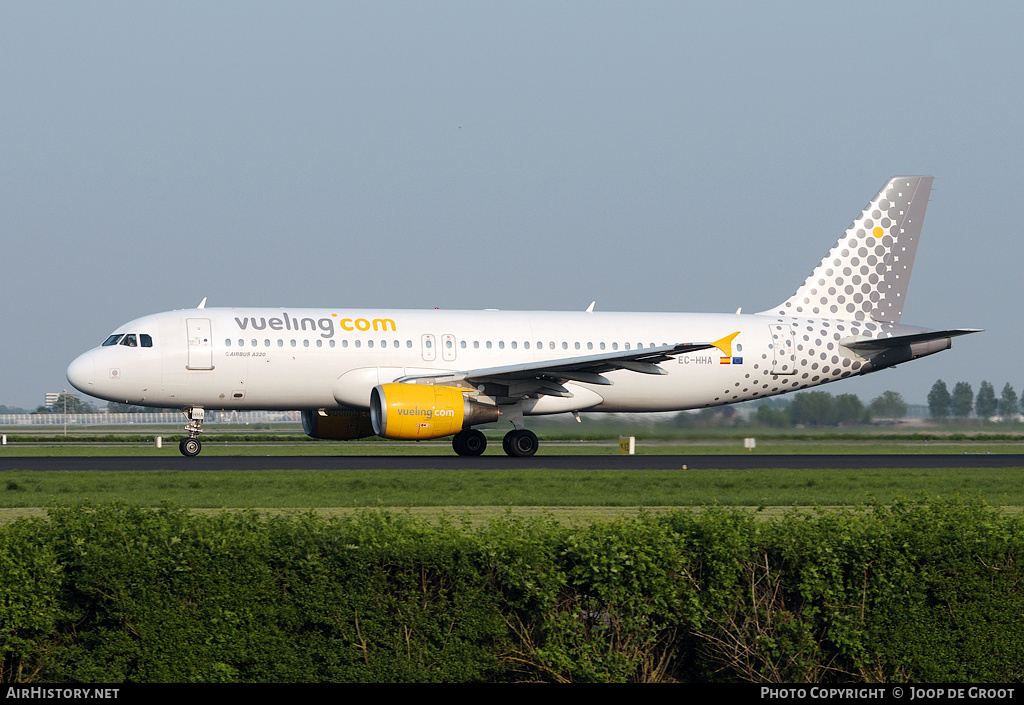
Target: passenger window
[(112, 340), (241, 343)]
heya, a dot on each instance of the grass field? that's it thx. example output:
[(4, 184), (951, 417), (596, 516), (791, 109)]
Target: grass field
[(585, 493), (534, 487)]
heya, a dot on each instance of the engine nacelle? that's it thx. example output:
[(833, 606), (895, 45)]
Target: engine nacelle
[(422, 411), (337, 425)]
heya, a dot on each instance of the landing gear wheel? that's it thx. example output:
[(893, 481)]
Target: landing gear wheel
[(475, 443), (470, 443), (520, 444), (190, 447)]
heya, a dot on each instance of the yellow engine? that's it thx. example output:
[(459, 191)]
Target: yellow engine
[(422, 411)]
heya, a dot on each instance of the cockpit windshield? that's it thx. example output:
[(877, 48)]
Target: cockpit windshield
[(130, 340)]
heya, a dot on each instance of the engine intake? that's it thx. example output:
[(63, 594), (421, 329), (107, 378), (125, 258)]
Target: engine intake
[(337, 425)]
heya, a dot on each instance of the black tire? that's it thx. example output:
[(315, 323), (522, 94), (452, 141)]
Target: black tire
[(457, 443), (521, 444), (469, 443), (474, 443), (190, 447)]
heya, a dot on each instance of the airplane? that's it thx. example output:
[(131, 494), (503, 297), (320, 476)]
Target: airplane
[(417, 375)]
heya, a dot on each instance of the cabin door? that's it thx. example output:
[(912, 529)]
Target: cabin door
[(200, 344)]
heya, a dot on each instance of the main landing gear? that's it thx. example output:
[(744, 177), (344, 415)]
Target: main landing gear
[(469, 442), (518, 443), (191, 446)]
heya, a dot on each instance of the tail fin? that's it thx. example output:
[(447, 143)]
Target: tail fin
[(866, 274)]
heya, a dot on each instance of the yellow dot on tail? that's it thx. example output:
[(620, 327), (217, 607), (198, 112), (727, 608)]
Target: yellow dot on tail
[(878, 233)]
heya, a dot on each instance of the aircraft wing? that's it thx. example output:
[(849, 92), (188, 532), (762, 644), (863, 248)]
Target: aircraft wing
[(546, 377)]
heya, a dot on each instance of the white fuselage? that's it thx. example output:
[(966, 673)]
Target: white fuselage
[(235, 358)]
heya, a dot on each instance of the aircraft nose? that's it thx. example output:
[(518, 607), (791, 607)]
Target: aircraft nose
[(82, 373)]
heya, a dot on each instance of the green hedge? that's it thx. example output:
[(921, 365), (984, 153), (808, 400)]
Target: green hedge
[(914, 592)]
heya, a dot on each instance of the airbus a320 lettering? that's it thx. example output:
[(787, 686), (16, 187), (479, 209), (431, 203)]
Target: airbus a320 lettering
[(416, 375)]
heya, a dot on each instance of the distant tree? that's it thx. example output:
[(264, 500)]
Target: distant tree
[(850, 410), (985, 404), (68, 403), (4, 409), (1007, 402), (889, 405), (962, 400), (771, 416), (813, 409), (939, 401)]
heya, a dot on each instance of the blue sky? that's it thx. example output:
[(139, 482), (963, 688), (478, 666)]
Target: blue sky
[(652, 156)]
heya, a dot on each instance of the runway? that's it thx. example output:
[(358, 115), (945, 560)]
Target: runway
[(561, 462)]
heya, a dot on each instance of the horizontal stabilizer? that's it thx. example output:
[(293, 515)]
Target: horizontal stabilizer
[(878, 344)]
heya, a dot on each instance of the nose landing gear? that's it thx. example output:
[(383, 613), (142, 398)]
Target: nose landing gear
[(190, 447)]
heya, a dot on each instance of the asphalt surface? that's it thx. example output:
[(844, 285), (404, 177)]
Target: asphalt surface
[(495, 462)]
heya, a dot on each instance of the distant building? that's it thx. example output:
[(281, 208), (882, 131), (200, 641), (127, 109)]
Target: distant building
[(52, 397)]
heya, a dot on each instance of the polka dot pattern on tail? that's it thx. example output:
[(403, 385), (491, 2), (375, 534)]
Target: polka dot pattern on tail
[(865, 275)]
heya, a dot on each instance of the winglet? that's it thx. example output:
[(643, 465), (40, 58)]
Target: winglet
[(590, 308), (725, 344), (202, 304)]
